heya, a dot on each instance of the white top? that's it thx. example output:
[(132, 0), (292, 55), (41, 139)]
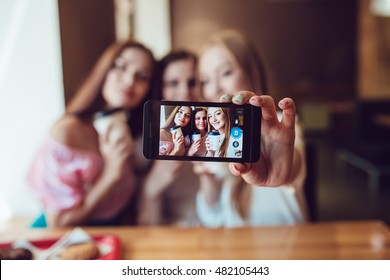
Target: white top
[(267, 205)]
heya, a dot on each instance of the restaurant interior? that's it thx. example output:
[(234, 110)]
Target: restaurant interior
[(331, 56)]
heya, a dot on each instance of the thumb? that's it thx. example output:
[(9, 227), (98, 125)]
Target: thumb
[(238, 169)]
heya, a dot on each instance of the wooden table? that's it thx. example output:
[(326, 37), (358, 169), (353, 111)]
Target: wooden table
[(333, 240)]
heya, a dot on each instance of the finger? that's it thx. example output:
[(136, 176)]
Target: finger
[(239, 169), (267, 104), (289, 112), (226, 98), (105, 136), (123, 150), (123, 140), (242, 97)]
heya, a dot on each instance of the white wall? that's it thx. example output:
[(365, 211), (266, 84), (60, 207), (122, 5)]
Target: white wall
[(31, 94), (152, 25)]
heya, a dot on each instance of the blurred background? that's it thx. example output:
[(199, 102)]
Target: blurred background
[(331, 56)]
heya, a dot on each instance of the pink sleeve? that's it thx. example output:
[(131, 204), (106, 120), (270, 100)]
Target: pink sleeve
[(60, 175), (165, 148)]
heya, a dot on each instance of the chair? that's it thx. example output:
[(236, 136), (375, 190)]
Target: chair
[(369, 145)]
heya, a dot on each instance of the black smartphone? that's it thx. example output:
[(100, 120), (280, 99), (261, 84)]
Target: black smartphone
[(201, 131)]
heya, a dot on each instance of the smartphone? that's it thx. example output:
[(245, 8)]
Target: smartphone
[(201, 131)]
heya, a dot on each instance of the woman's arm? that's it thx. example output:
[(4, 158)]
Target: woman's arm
[(116, 164), (210, 186), (78, 215), (160, 177)]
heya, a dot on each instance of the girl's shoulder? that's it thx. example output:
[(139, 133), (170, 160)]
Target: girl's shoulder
[(75, 133)]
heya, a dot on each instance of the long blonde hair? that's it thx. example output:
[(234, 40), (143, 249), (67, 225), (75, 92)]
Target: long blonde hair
[(246, 56), (225, 142), (250, 62)]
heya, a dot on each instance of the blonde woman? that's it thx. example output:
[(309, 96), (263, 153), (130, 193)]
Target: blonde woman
[(219, 122), (269, 191)]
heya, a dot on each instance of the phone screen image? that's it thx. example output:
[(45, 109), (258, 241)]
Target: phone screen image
[(200, 131)]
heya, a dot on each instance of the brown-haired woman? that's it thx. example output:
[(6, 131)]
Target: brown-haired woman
[(174, 135), (199, 129), (81, 177)]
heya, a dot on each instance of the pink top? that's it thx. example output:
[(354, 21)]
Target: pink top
[(61, 176), (165, 147)]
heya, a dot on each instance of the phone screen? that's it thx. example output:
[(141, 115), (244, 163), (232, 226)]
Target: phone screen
[(200, 131)]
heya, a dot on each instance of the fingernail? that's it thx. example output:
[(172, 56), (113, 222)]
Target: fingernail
[(285, 102), (226, 97), (239, 98), (235, 167), (257, 99)]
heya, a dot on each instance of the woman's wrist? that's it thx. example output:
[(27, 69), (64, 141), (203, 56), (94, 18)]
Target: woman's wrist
[(210, 188), (110, 177), (152, 190)]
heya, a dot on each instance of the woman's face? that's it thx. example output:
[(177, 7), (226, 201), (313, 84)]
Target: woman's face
[(128, 81), (201, 120), (183, 116), (220, 73), (216, 117), (179, 81)]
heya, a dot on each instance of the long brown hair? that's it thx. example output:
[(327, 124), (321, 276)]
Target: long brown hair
[(193, 125), (169, 123), (163, 64), (89, 100), (250, 62)]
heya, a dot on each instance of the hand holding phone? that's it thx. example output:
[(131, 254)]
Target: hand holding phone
[(204, 131), (276, 166)]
